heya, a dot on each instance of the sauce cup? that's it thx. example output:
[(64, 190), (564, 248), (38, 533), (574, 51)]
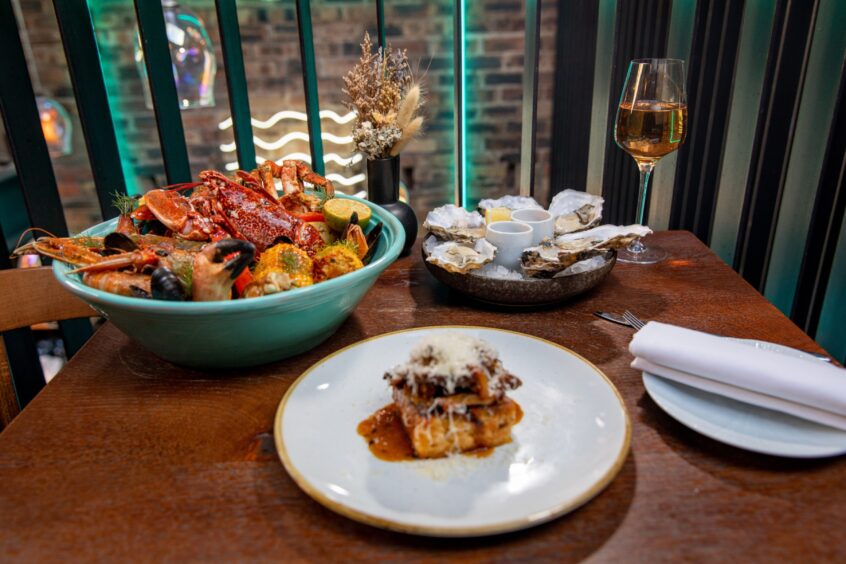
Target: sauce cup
[(510, 239), (541, 222)]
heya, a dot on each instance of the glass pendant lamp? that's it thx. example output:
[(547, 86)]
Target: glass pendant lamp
[(56, 126), (192, 56)]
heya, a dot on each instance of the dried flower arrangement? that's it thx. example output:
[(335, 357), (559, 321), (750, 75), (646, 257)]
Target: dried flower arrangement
[(386, 100)]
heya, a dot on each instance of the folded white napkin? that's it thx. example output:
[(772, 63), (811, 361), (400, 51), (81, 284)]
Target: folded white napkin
[(809, 389)]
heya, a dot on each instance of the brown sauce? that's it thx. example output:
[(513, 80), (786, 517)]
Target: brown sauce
[(385, 435), (483, 452)]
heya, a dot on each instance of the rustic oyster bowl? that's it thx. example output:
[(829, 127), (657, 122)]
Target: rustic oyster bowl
[(526, 292)]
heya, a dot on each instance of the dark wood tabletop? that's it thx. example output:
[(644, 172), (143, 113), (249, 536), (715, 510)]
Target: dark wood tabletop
[(124, 456)]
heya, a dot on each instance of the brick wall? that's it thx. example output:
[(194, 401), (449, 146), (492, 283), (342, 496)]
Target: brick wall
[(271, 51)]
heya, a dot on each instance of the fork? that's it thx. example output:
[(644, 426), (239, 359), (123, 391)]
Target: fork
[(633, 320)]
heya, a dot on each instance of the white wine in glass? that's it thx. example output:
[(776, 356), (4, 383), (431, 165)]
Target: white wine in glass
[(651, 122)]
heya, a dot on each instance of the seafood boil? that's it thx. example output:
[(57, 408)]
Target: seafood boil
[(222, 238)]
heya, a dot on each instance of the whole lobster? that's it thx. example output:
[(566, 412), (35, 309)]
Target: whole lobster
[(220, 207)]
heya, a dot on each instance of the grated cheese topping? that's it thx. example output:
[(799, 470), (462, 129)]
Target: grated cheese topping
[(449, 359)]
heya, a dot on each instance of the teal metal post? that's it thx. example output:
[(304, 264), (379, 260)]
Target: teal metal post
[(236, 82), (306, 33), (380, 22), (459, 83), (530, 98)]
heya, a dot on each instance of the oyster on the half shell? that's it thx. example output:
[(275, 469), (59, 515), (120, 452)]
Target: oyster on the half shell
[(554, 255), (458, 257), (511, 202), (453, 223), (575, 211)]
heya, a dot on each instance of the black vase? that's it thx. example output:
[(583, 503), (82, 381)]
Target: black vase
[(383, 177)]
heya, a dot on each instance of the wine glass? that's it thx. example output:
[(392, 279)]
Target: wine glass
[(651, 123)]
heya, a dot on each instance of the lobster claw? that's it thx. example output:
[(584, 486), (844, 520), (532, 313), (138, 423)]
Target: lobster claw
[(215, 269), (235, 265)]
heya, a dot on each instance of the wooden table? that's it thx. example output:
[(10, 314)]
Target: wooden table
[(124, 456)]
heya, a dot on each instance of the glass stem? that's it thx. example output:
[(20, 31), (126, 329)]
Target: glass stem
[(645, 168)]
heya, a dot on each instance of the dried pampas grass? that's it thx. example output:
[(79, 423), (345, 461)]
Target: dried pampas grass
[(386, 99), (409, 106), (408, 133)]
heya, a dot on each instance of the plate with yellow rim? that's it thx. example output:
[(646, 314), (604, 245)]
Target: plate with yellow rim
[(570, 444)]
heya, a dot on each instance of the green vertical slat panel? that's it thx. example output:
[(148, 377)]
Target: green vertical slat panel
[(92, 102), (743, 107), (23, 127), (599, 135), (37, 181), (460, 104), (803, 172), (306, 33), (236, 82), (663, 179), (830, 332), (151, 25)]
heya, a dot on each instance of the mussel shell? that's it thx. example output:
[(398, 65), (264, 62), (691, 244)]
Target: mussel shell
[(372, 238), (118, 242), (165, 285)]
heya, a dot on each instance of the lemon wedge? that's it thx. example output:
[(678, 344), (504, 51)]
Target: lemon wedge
[(497, 214), (338, 211)]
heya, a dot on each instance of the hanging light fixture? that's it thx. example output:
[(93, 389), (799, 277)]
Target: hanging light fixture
[(191, 54), (56, 126)]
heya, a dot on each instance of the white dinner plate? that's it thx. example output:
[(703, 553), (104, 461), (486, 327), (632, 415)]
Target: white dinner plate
[(743, 425), (572, 441)]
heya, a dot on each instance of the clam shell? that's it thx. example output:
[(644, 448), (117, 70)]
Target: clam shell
[(554, 255), (453, 223), (575, 211), (457, 257), (511, 202)]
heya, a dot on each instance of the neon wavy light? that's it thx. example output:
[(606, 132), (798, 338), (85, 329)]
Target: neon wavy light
[(291, 114), (346, 181), (285, 139)]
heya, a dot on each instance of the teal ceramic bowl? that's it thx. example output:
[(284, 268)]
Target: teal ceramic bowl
[(238, 333)]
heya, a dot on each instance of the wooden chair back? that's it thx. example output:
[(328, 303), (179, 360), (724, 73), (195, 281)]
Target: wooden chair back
[(29, 296)]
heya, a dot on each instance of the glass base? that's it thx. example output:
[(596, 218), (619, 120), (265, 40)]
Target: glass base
[(647, 255)]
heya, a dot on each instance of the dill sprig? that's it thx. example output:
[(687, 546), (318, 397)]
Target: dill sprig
[(124, 203)]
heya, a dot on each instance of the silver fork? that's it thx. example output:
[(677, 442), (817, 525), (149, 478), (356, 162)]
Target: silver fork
[(633, 320)]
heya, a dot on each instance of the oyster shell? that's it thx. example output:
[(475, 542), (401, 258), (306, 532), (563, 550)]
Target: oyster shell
[(457, 257), (554, 255), (453, 223), (574, 210), (511, 202)]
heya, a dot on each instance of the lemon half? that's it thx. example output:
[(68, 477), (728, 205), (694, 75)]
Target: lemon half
[(338, 211)]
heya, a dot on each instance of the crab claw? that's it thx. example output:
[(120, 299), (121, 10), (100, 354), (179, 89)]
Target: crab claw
[(215, 269)]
